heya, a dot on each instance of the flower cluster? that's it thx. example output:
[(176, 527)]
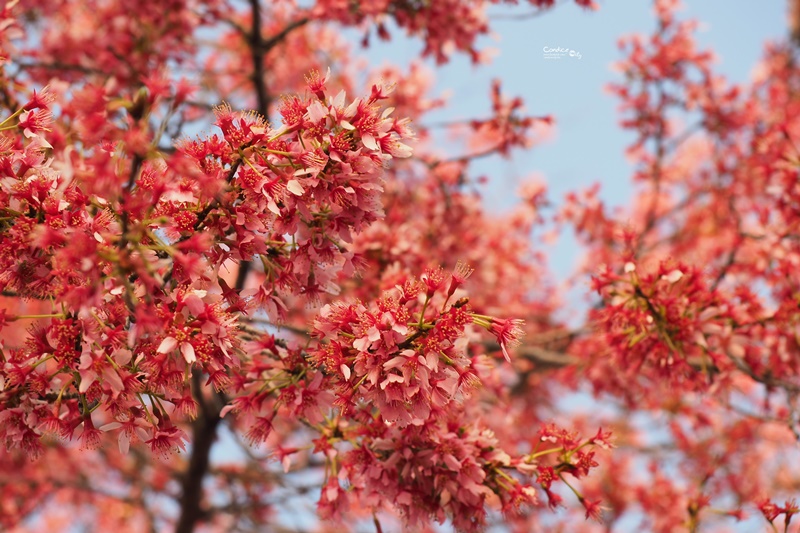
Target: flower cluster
[(141, 302), (147, 38), (149, 286), (444, 25), (508, 127), (406, 355), (436, 471), (445, 469), (772, 511), (656, 323), (296, 194), (386, 387)]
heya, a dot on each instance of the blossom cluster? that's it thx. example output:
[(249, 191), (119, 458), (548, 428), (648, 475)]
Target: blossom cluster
[(658, 321), (401, 371), (447, 469), (387, 386), (142, 302), (445, 26), (296, 194), (407, 355), (149, 286)]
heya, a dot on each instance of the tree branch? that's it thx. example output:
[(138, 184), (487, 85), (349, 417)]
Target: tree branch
[(259, 48), (204, 433), (543, 358)]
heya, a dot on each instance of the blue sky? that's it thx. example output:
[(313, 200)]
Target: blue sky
[(588, 146)]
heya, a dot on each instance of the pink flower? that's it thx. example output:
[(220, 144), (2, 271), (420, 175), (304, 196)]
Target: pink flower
[(187, 350), (593, 510), (507, 332), (433, 279), (316, 84), (35, 122), (602, 439), (333, 501), (90, 438), (40, 100), (460, 275), (259, 431), (167, 438)]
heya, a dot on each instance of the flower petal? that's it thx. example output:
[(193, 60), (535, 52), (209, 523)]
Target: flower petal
[(187, 350), (295, 188), (167, 345)]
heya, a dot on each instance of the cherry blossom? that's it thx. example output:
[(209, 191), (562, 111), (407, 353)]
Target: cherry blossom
[(240, 275)]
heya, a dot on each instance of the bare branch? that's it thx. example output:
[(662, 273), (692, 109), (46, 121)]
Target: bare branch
[(204, 433)]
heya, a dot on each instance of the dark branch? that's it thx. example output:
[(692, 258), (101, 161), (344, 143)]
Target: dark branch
[(204, 433), (259, 49), (543, 358)]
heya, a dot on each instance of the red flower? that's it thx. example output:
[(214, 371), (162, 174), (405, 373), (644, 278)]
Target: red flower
[(593, 510), (507, 332), (459, 276)]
